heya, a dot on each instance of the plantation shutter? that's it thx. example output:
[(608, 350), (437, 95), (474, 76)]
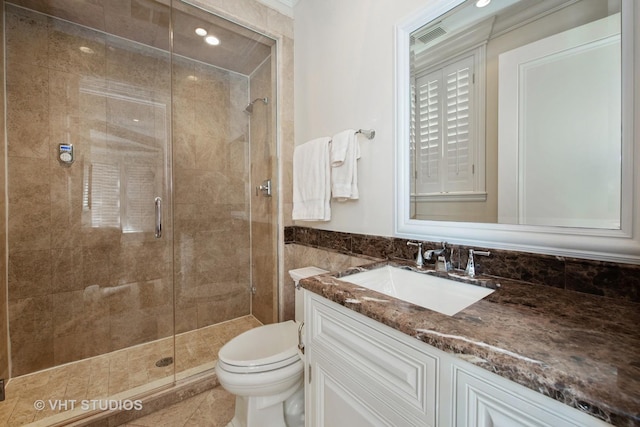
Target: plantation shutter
[(443, 145), (457, 142), (428, 133)]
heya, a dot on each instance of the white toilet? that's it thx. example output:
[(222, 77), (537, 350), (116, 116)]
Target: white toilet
[(265, 370)]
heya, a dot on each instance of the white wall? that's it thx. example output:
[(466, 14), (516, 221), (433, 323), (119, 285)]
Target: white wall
[(344, 78)]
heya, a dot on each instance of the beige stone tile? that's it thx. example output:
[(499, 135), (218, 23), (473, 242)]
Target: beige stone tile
[(96, 265), (186, 315), (135, 21), (138, 65), (29, 274), (29, 201), (216, 409), (68, 313), (98, 377), (66, 269), (122, 335), (184, 149), (91, 14), (222, 308), (66, 191), (6, 409), (27, 111), (26, 32), (64, 43), (174, 415), (118, 382), (23, 413), (32, 334)]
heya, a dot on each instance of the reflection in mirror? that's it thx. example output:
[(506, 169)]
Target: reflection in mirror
[(487, 157), (516, 114)]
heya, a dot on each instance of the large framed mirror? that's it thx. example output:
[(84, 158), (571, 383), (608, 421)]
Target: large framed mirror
[(515, 126)]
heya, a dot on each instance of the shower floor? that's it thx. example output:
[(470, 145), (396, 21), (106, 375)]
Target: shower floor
[(57, 393)]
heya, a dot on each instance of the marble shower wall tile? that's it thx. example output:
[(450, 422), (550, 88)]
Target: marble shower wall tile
[(619, 281), (264, 218), (211, 209)]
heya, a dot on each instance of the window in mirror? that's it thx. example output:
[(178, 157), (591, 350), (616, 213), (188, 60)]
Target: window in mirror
[(447, 129), (446, 140)]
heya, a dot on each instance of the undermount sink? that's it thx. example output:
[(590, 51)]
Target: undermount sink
[(436, 293)]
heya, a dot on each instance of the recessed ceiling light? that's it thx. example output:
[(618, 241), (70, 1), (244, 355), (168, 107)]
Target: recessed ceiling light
[(201, 32), (482, 3), (212, 40), (86, 49)]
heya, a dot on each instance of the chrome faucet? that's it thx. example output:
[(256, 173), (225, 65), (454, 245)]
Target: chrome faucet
[(419, 258), (431, 252), (471, 266), (442, 257)]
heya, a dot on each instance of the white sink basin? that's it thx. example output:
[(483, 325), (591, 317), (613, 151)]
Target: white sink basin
[(435, 293)]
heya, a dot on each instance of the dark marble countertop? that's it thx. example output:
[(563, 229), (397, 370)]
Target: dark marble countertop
[(582, 350)]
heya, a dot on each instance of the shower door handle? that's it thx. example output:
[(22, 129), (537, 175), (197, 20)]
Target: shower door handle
[(265, 188), (158, 217)]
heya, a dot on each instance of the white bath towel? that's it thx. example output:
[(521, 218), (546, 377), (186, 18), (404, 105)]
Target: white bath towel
[(312, 181), (345, 152)]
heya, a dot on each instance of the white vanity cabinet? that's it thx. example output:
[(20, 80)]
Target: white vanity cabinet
[(360, 372), (364, 376)]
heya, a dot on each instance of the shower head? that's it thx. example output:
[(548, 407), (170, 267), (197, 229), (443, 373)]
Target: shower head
[(249, 108)]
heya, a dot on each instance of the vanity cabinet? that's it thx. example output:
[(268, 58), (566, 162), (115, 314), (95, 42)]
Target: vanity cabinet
[(360, 372), (360, 375)]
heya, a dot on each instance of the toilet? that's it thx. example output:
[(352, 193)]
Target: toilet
[(265, 370)]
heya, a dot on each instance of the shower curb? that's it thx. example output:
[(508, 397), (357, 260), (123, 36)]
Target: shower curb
[(155, 401)]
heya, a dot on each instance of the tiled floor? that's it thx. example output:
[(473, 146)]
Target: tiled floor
[(213, 408), (119, 375)]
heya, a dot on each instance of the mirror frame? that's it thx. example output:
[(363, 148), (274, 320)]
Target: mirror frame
[(621, 245)]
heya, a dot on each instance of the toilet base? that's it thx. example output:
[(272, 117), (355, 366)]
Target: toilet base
[(260, 411)]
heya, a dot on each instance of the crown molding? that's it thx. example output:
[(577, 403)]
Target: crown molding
[(283, 6)]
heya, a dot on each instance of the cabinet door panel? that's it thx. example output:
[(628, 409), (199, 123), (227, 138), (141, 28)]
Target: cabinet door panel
[(392, 369), (480, 402), (339, 401)]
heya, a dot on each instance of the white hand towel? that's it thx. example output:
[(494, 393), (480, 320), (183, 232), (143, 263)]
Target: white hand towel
[(345, 152), (312, 181)]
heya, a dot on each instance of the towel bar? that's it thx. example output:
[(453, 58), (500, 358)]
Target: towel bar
[(368, 133)]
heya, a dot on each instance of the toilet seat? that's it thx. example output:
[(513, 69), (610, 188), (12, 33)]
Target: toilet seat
[(261, 349)]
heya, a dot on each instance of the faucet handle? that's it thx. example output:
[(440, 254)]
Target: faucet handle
[(419, 258), (482, 253), (471, 267)]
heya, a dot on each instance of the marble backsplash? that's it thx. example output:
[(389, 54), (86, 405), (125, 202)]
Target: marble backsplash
[(613, 280), (298, 256)]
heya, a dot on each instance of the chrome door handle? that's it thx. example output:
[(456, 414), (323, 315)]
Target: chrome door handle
[(158, 202), (265, 188)]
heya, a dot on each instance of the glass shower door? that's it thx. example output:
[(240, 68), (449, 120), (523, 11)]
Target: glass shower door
[(218, 69), (88, 113)]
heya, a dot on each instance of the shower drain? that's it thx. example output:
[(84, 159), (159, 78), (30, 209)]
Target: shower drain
[(165, 361)]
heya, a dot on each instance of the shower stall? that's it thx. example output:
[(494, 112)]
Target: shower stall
[(139, 235)]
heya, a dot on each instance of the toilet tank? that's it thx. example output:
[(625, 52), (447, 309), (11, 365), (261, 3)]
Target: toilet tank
[(297, 275)]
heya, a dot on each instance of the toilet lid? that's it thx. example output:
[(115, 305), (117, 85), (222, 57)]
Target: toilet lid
[(272, 345)]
